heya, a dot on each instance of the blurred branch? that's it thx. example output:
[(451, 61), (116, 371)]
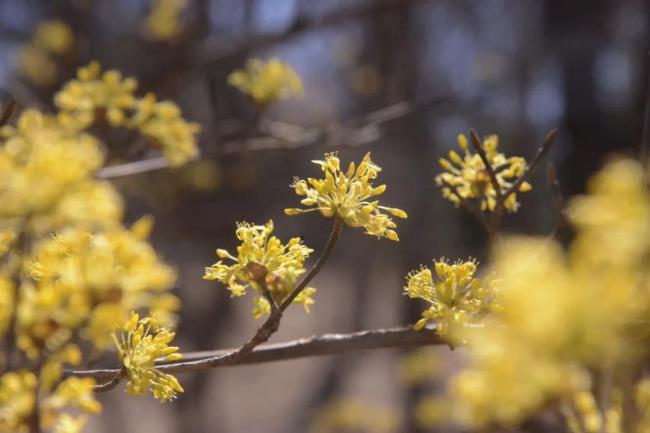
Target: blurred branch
[(217, 49), (358, 131), (645, 135), (321, 345)]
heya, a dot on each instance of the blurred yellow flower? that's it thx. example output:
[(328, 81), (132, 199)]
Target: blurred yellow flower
[(95, 96), (81, 278), (468, 175), (267, 82), (40, 162), (347, 195), (564, 314), (19, 391), (352, 415), (163, 124), (164, 20), (53, 36), (456, 296), (140, 343), (263, 261), (35, 64)]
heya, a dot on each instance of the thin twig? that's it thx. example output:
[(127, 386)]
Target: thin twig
[(7, 111), (549, 140), (329, 246), (478, 147), (645, 135), (321, 345), (217, 49), (467, 205), (558, 199), (357, 131)]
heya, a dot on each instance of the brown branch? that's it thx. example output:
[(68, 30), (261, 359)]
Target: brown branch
[(263, 333), (478, 147), (321, 345), (644, 149), (467, 205), (217, 49), (284, 136), (558, 199), (329, 246), (549, 140)]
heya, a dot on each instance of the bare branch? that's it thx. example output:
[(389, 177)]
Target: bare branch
[(478, 147), (644, 151), (357, 131), (263, 333), (217, 49), (549, 140), (321, 345)]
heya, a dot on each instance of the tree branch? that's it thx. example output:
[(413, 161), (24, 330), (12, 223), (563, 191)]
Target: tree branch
[(321, 345), (357, 131), (217, 49), (263, 333)]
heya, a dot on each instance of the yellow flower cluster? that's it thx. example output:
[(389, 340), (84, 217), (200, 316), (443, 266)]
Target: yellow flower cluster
[(162, 123), (564, 315), (108, 97), (163, 22), (34, 58), (40, 161), (70, 271), (582, 414), (467, 175), (457, 297), (140, 343), (267, 82), (263, 262), (20, 391), (96, 96), (350, 415), (89, 282), (346, 195)]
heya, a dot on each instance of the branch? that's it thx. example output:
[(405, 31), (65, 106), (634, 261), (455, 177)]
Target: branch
[(478, 147), (263, 333), (217, 49), (549, 140), (357, 131), (321, 345), (645, 134)]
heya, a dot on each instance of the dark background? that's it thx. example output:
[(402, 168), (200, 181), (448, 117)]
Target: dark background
[(512, 67)]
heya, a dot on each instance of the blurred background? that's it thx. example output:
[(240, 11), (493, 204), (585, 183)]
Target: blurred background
[(399, 78)]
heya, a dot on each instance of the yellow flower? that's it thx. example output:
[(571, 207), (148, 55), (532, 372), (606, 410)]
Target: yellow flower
[(95, 95), (347, 195), (70, 424), (565, 314), (267, 82), (140, 343), (89, 204), (6, 302), (354, 415), (81, 278), (53, 36), (40, 161), (468, 175), (18, 394), (17, 400), (163, 124), (263, 260), (36, 65), (456, 297), (163, 22)]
